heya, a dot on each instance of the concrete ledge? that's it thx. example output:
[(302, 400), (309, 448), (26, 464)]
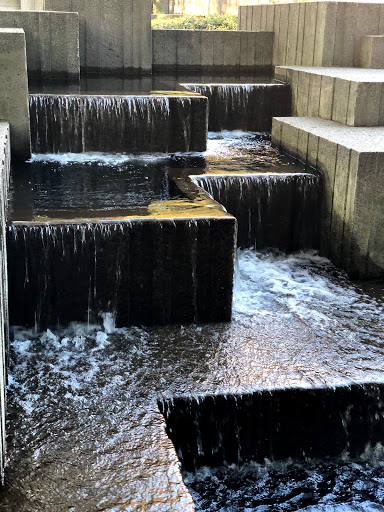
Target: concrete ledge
[(207, 50), (372, 52), (347, 95), (14, 90), (351, 160), (52, 41)]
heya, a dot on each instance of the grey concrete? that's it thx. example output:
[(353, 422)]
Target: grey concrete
[(7, 5), (52, 42), (349, 96), (115, 35), (372, 52), (351, 160), (4, 182), (316, 33), (14, 90), (207, 49)]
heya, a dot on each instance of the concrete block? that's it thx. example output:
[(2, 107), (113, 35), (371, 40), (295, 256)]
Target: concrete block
[(276, 132), (372, 52), (181, 49), (218, 50), (340, 195), (366, 111), (164, 50), (256, 18), (263, 19), (293, 33), (276, 30), (351, 160), (207, 42), (270, 17), (193, 50), (314, 95), (367, 22), (302, 146), (329, 35), (232, 51), (289, 139), (14, 90), (309, 34), (340, 100), (302, 94), (300, 35)]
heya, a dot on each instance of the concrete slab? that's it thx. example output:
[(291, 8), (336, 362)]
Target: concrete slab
[(350, 159), (351, 96)]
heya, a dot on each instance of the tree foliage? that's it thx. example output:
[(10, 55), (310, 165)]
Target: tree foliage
[(211, 22)]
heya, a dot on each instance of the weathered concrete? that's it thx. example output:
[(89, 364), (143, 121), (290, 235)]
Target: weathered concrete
[(316, 33), (4, 182), (372, 52), (347, 95), (115, 35), (14, 90), (208, 50), (351, 160), (52, 41)]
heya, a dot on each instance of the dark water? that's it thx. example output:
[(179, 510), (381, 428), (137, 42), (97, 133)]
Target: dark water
[(95, 185)]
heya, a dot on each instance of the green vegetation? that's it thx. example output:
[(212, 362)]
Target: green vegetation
[(211, 22)]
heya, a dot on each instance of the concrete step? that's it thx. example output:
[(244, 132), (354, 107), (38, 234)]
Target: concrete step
[(372, 52), (351, 96), (351, 160)]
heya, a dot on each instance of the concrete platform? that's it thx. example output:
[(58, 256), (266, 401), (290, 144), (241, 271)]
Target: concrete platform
[(352, 96), (351, 160)]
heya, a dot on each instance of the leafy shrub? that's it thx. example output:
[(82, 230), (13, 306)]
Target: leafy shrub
[(211, 22)]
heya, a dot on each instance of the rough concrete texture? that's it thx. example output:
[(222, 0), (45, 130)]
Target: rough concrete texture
[(4, 182), (315, 33), (115, 35), (347, 95), (52, 42), (372, 52), (351, 160), (14, 90), (207, 49)]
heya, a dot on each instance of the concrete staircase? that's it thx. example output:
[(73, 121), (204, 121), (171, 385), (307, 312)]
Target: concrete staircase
[(339, 130)]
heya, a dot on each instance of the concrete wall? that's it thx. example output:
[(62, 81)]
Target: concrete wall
[(14, 90), (315, 33), (115, 35), (52, 42), (208, 49), (4, 182), (351, 160)]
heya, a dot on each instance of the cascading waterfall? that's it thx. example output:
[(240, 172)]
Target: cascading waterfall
[(243, 106), (126, 268), (128, 124), (273, 210)]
